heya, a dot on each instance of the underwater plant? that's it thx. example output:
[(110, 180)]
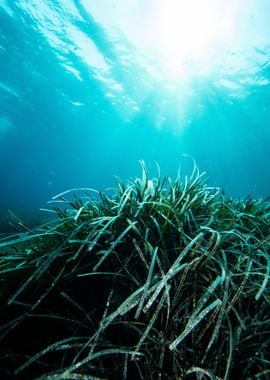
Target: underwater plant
[(161, 279)]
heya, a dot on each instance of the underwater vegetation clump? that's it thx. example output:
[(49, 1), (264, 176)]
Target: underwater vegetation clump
[(161, 279)]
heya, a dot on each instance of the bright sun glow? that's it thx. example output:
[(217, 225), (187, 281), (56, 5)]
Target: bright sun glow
[(191, 32), (186, 37)]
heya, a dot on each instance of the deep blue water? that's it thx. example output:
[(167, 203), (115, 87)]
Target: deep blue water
[(77, 111)]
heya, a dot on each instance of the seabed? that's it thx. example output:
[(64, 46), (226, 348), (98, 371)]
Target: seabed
[(161, 279)]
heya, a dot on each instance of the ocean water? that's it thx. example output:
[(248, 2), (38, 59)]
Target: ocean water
[(89, 88)]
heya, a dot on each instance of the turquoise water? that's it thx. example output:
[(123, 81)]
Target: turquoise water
[(84, 97)]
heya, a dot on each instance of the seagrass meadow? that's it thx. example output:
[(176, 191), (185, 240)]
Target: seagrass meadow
[(158, 279)]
